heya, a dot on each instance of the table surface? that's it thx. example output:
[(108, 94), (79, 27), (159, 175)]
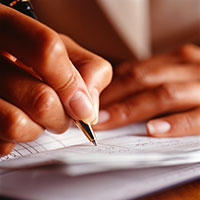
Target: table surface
[(189, 191)]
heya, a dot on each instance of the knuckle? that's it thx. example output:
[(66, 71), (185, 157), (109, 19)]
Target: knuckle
[(50, 46), (123, 110), (166, 93), (102, 69), (53, 45), (44, 101), (186, 50), (140, 76), (186, 123), (70, 80), (126, 115), (106, 68), (14, 125)]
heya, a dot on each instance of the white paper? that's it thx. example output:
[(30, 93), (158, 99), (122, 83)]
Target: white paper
[(55, 184), (125, 144), (124, 148)]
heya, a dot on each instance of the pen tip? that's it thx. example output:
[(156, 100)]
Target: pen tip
[(94, 142)]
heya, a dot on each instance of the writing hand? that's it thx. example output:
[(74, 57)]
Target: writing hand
[(44, 78)]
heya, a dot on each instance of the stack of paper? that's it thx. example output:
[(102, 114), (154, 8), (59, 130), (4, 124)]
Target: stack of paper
[(70, 157)]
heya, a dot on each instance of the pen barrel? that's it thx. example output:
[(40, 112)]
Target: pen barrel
[(23, 6), (86, 129)]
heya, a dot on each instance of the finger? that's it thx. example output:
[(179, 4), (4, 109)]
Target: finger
[(164, 99), (120, 88), (15, 125), (126, 67), (136, 76), (33, 96), (6, 147), (166, 73), (148, 77), (190, 53), (95, 71), (147, 74), (177, 125), (48, 57)]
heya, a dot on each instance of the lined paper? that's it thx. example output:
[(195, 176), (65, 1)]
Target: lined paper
[(128, 147)]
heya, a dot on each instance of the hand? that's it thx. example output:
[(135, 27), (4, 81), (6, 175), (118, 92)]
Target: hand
[(166, 86), (45, 78)]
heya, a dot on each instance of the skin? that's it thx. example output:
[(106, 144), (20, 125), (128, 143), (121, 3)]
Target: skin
[(45, 80), (163, 90)]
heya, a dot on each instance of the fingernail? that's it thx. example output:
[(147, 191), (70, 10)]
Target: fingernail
[(104, 116), (82, 107), (156, 127), (95, 97)]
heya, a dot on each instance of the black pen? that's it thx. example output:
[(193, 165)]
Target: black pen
[(25, 7)]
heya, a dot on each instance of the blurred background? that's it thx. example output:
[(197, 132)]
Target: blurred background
[(124, 29)]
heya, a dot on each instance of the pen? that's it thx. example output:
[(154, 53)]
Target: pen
[(25, 7)]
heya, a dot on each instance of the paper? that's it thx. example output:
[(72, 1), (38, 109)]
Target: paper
[(124, 148), (73, 136), (54, 183)]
